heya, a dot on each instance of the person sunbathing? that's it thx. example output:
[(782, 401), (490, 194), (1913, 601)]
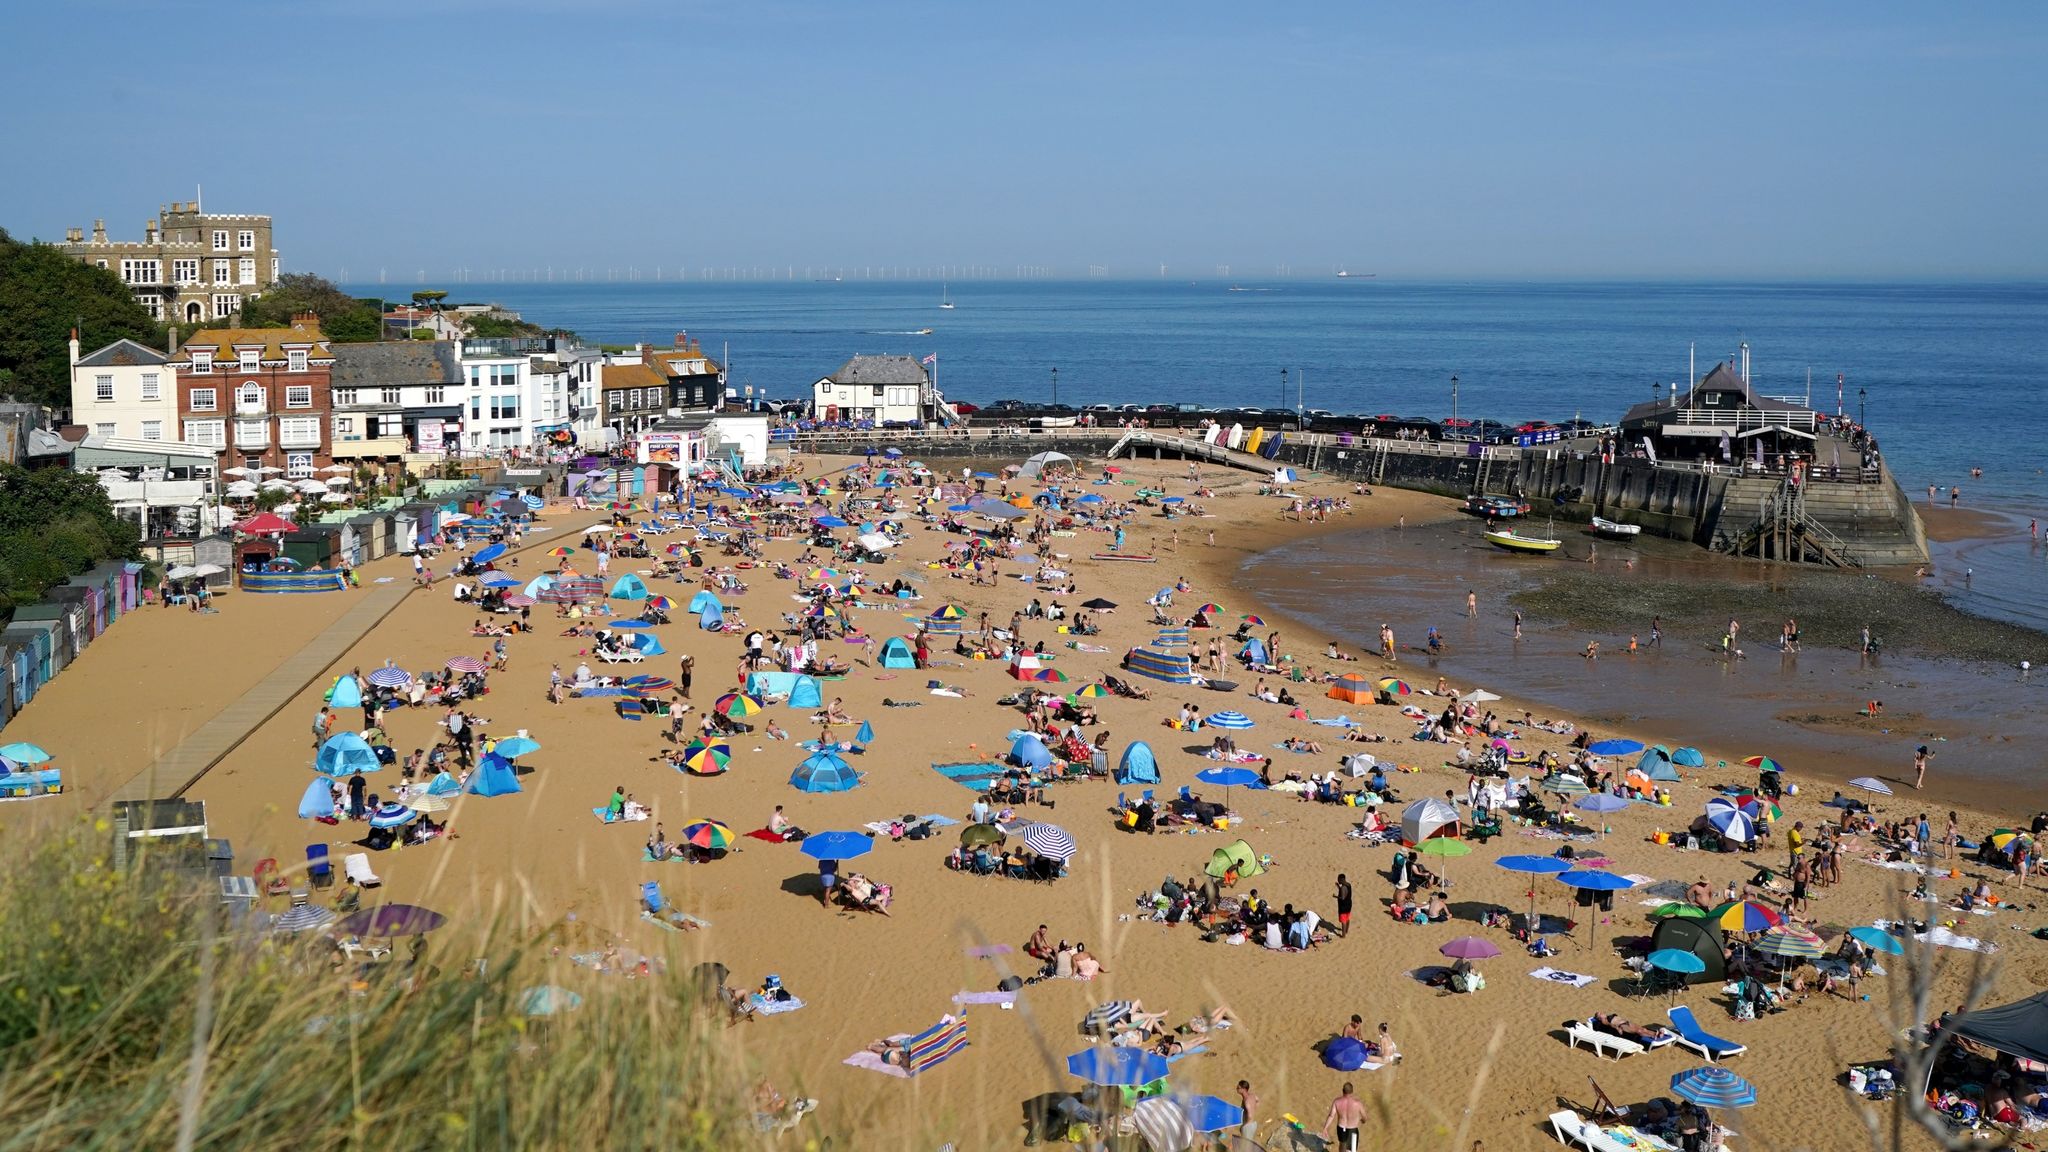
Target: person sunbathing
[(1298, 744), (1613, 1025)]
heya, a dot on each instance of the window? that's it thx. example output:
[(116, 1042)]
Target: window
[(633, 398), (436, 394), (249, 397), (252, 433), (295, 360), (391, 395), (298, 432), (299, 465), (142, 271), (476, 407), (151, 388), (345, 427), (246, 240), (505, 407), (220, 240), (273, 268), (154, 306), (152, 429), (298, 396), (185, 271), (103, 429), (101, 263), (202, 400), (226, 305), (206, 433), (344, 397), (103, 388), (247, 270), (249, 358), (223, 272)]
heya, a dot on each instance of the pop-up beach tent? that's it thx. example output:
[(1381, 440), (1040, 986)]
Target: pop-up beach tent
[(1239, 856), (1028, 751), (1426, 819), (792, 688), (346, 693), (1284, 476), (896, 653), (1254, 652), (1041, 462), (711, 617), (1352, 688), (318, 800), (704, 598), (824, 772), (494, 777), (1657, 764), (1138, 765), (1024, 666), (343, 754), (645, 643), (1699, 937), (539, 584), (1172, 667), (2019, 1029), (629, 587)]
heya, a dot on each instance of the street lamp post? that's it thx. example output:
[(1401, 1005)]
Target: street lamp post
[(1860, 394), (1454, 401), (1055, 387), (1283, 387)]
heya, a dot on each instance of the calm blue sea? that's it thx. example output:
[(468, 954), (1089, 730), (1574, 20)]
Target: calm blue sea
[(1948, 375)]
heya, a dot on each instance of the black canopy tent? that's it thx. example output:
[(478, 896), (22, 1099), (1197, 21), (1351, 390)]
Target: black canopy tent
[(2019, 1029)]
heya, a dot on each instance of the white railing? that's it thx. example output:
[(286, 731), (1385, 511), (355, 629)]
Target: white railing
[(1744, 419)]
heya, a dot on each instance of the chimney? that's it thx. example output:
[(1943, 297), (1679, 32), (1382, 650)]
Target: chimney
[(74, 235), (99, 231), (171, 341), (74, 347), (305, 321), (149, 231)]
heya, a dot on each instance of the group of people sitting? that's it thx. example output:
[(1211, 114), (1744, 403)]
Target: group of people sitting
[(1014, 862), (1064, 961)]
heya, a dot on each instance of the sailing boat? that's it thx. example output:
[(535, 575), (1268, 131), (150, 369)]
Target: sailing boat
[(945, 297)]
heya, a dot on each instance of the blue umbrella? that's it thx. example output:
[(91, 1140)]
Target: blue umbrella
[(532, 501), (959, 507), (517, 746), (1210, 1113), (24, 753), (486, 555), (1117, 1066), (830, 522), (1534, 865), (1174, 500), (1615, 747), (589, 693), (1345, 1054), (1601, 802), (984, 475), (1713, 1087), (392, 815), (1228, 777), (1676, 960), (1732, 823), (342, 753), (1229, 720), (389, 676), (1597, 881), (1092, 498), (837, 845), (1877, 938)]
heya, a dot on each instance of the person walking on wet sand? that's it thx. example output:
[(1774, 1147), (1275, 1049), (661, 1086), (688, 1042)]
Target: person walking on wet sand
[(1347, 1114), (1518, 623), (1656, 631), (1920, 756), (1471, 605), (321, 725)]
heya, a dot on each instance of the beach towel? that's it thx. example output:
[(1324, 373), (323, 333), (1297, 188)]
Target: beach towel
[(1942, 937), (985, 998), (1336, 722), (766, 1007), (601, 809), (1559, 976), (872, 1061), (764, 834)]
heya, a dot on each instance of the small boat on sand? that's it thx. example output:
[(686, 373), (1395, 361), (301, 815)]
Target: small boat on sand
[(1615, 531), (1509, 540)]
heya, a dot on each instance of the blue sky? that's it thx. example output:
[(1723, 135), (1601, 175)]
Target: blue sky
[(1437, 140)]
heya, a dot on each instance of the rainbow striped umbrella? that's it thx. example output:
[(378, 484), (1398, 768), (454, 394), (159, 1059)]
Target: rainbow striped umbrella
[(700, 759), (560, 552), (1764, 764), (736, 705), (1089, 692), (1211, 609), (1755, 805), (1791, 943), (949, 612), (660, 603), (1254, 621), (823, 611), (1393, 687), (828, 575), (1051, 675), (1745, 916), (708, 834)]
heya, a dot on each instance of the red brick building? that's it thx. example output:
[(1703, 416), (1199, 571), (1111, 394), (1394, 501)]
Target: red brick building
[(261, 396)]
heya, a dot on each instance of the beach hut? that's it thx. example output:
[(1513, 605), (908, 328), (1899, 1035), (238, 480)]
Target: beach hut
[(896, 653), (1238, 856), (494, 777), (1352, 689), (824, 772), (1138, 766), (1428, 819), (1699, 937), (629, 587), (1039, 463), (1028, 751), (1658, 765), (705, 598), (711, 618), (1172, 667), (1254, 652), (346, 693)]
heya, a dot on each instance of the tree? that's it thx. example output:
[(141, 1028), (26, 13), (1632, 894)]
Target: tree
[(344, 319), (54, 524), (44, 294)]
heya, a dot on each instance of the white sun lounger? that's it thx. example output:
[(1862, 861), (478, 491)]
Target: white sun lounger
[(1572, 1129), (1602, 1043), (628, 656), (356, 865)]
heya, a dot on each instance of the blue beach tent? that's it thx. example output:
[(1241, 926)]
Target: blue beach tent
[(318, 801), (344, 753), (704, 598), (1254, 652), (896, 653), (1138, 765), (711, 617), (645, 643), (494, 777), (539, 584), (629, 587), (346, 693), (1028, 751), (824, 772), (1657, 765)]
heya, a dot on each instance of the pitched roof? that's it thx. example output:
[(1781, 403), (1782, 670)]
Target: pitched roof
[(632, 376), (1723, 378), (880, 370), (224, 341), (123, 352), (396, 362)]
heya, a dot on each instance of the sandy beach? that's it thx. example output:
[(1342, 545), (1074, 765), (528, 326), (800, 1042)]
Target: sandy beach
[(1490, 1065)]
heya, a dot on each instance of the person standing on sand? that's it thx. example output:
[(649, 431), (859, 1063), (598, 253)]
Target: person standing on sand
[(1656, 631), (1347, 1113), (321, 724), (685, 669), (1472, 605), (1518, 623), (1248, 1101), (1343, 905), (1920, 766)]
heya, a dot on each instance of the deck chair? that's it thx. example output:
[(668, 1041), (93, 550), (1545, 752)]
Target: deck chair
[(319, 870), (357, 866), (1692, 1036), (655, 909), (267, 879)]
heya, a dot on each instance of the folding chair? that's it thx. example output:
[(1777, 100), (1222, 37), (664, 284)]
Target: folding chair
[(318, 870)]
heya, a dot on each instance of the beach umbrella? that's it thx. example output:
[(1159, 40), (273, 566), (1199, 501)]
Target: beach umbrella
[(980, 836), (1567, 786), (708, 834), (1601, 802), (559, 552), (1232, 720), (949, 612), (1681, 910), (1114, 1067), (430, 803), (1209, 1113), (1871, 784), (959, 507), (514, 747), (841, 845), (1395, 687), (500, 580), (1745, 916), (1099, 605), (1615, 747), (1094, 691), (1470, 948), (631, 625), (1878, 939), (392, 815), (519, 600), (1713, 1087), (302, 917), (647, 685), (1345, 1054), (1055, 676), (1534, 866), (389, 676), (22, 752), (1676, 960), (736, 705), (548, 1000), (1050, 840), (466, 664), (1790, 943), (1163, 1125), (341, 754), (389, 920), (1732, 823), (1753, 805), (1228, 778), (1253, 620), (1210, 609), (487, 554), (1764, 764), (830, 522), (701, 759), (1593, 880), (1445, 848), (660, 603)]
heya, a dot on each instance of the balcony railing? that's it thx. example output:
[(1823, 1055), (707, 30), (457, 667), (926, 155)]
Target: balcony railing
[(298, 439), (251, 407), (1743, 419)]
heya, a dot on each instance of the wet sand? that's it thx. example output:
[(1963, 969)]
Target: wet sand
[(542, 858)]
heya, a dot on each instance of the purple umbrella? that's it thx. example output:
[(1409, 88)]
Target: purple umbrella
[(392, 920), (1470, 948)]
